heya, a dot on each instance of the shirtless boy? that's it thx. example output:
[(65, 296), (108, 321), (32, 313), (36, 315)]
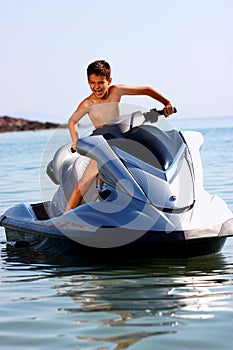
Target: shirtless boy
[(99, 80)]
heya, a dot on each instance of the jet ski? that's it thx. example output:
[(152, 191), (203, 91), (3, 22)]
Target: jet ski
[(148, 197)]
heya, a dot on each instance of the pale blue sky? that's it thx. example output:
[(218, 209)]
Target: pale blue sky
[(184, 48)]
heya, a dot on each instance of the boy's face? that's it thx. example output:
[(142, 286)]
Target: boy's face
[(99, 85)]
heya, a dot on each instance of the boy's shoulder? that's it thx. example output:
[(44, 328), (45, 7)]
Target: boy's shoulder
[(120, 88), (115, 89), (87, 102)]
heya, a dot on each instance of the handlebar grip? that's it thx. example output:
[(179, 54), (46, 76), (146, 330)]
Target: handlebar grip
[(160, 112), (153, 114), (73, 150)]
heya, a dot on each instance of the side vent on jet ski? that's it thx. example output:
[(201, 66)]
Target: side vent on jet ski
[(41, 210)]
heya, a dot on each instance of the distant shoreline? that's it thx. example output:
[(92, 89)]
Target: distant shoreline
[(9, 124)]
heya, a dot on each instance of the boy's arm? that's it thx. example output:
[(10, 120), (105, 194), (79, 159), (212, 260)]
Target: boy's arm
[(148, 91), (72, 123)]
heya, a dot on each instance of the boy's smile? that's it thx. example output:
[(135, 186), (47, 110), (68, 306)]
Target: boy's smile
[(99, 85)]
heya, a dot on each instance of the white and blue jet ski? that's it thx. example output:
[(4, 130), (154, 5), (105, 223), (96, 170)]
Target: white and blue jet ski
[(148, 198)]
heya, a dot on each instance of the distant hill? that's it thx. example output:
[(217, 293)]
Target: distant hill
[(19, 124)]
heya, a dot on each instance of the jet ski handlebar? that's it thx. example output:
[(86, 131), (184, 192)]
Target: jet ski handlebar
[(153, 114)]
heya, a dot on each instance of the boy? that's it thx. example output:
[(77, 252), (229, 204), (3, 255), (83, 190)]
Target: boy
[(99, 80)]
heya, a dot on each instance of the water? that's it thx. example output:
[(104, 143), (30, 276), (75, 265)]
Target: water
[(52, 302)]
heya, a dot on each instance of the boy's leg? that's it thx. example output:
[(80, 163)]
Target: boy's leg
[(82, 186)]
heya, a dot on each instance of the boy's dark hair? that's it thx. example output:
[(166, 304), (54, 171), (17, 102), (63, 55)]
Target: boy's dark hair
[(99, 67)]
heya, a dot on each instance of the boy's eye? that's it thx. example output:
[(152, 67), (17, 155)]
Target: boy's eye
[(93, 82)]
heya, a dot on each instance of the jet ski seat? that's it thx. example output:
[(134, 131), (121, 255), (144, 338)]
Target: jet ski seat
[(152, 145)]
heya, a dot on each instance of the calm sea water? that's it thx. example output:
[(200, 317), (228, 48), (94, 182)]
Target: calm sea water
[(52, 302)]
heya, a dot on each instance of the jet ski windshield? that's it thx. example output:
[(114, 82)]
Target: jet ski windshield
[(118, 118), (145, 135)]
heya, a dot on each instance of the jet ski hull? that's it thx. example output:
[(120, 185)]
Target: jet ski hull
[(157, 244)]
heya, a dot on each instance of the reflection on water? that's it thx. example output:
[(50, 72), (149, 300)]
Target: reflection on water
[(115, 304)]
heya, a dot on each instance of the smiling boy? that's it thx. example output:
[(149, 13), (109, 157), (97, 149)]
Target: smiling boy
[(99, 80)]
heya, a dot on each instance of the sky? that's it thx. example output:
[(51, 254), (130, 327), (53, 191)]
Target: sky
[(183, 48)]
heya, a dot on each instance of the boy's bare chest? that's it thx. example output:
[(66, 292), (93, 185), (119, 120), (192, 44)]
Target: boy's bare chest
[(102, 113)]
